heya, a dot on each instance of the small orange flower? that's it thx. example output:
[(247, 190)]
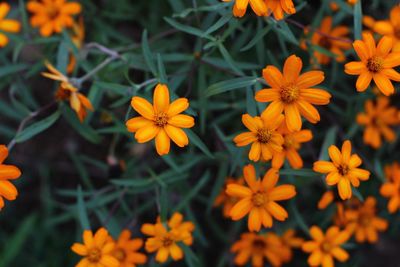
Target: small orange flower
[(291, 145), (96, 250), (364, 223), (7, 25), (52, 16), (293, 93), (325, 248), (165, 238), (343, 169), (223, 199), (391, 188), (263, 136), (78, 102), (240, 7), (7, 172), (377, 63), (161, 121), (377, 120), (280, 7), (390, 27), (126, 250), (259, 198)]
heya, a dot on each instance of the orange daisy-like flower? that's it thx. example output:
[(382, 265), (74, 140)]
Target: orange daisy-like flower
[(259, 198), (293, 93), (126, 250), (7, 172), (391, 188), (96, 250), (78, 102), (226, 201), (280, 7), (7, 25), (52, 16), (161, 121), (165, 238), (325, 248), (343, 170), (240, 7), (292, 143), (390, 27), (377, 63), (377, 120), (263, 136)]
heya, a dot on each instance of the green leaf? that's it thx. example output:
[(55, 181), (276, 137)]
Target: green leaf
[(188, 29), (162, 74), (83, 217), (148, 56), (259, 35), (229, 85), (299, 172), (197, 142), (11, 69), (329, 140), (190, 258), (37, 128), (225, 54), (357, 20), (221, 22)]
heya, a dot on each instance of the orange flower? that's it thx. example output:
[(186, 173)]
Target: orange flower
[(259, 198), (390, 27), (377, 120), (342, 170), (289, 241), (165, 238), (240, 7), (7, 25), (223, 199), (326, 199), (7, 172), (263, 136), (377, 63), (364, 222), (126, 250), (78, 102), (280, 7), (325, 248), (161, 121), (96, 250), (291, 145), (293, 93), (391, 188), (52, 16)]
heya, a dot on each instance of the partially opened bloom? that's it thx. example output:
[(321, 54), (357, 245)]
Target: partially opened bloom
[(291, 145), (378, 119), (240, 7), (126, 250), (52, 16), (343, 170), (78, 102), (390, 27), (263, 136), (7, 172), (293, 93), (165, 238), (96, 250), (259, 197), (391, 188), (224, 200), (377, 63), (280, 7), (7, 25), (324, 248), (364, 222), (161, 121)]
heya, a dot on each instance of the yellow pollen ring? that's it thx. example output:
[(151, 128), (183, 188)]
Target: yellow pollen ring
[(289, 93), (343, 170), (264, 135), (94, 255), (374, 64), (161, 119), (119, 254), (326, 247), (167, 241), (258, 199)]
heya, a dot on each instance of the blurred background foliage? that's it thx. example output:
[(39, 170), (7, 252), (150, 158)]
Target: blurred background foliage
[(76, 175)]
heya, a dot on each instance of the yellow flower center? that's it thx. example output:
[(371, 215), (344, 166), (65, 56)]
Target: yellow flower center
[(289, 93), (374, 64), (52, 11), (161, 119), (343, 169), (326, 247), (258, 199), (264, 135), (119, 254), (167, 241), (94, 255)]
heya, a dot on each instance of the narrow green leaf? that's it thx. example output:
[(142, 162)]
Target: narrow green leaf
[(11, 69), (83, 218), (148, 56), (357, 16), (37, 128), (229, 85), (197, 142)]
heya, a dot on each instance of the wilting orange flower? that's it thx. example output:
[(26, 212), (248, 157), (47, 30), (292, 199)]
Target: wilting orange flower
[(263, 136), (391, 188), (377, 120), (96, 250), (78, 102), (343, 169), (291, 145), (377, 63), (328, 37), (126, 250), (325, 248), (255, 247), (390, 27), (240, 7), (223, 199), (7, 25), (293, 93), (165, 238), (161, 121), (280, 7), (52, 16), (259, 198), (364, 223), (7, 172), (77, 37)]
